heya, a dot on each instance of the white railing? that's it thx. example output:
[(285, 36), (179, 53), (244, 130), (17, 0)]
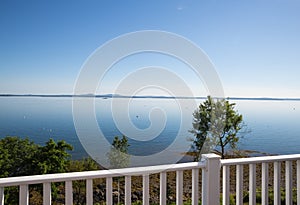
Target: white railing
[(264, 162), (210, 167), (211, 162)]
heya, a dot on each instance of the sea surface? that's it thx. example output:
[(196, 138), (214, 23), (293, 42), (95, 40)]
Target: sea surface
[(153, 125)]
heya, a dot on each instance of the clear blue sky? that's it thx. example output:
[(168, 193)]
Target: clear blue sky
[(254, 45)]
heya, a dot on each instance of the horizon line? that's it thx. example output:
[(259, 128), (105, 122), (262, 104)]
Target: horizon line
[(145, 96)]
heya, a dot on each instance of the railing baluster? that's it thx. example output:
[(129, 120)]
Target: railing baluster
[(210, 167), (277, 179), (23, 195), (146, 189), (265, 184), (226, 185), (109, 190), (252, 184), (179, 187), (288, 182), (239, 184), (298, 182), (89, 192), (163, 188), (69, 193), (127, 190), (1, 195), (204, 186), (195, 186), (47, 193)]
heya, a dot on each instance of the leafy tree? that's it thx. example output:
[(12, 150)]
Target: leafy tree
[(16, 156), (86, 164), (216, 123), (20, 157), (118, 155), (52, 158)]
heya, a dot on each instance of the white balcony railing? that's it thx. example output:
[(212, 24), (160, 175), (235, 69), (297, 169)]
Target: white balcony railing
[(210, 167)]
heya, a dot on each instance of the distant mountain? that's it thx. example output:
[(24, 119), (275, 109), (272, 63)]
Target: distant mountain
[(142, 96)]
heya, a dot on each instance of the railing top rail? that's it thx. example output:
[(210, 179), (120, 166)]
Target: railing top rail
[(256, 160), (134, 171)]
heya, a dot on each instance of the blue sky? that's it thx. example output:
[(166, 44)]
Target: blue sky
[(254, 45)]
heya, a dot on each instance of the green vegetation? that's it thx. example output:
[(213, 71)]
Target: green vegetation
[(118, 158), (118, 155), (22, 157), (216, 123), (19, 157), (232, 197)]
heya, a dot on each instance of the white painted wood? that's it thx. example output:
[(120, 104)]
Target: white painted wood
[(195, 186), (163, 188), (265, 184), (251, 160), (109, 200), (39, 179), (69, 193), (179, 187), (252, 184), (47, 193), (209, 176), (288, 183), (239, 184), (146, 189), (89, 192), (204, 186), (226, 178), (127, 190), (1, 195), (212, 182), (298, 182), (23, 195), (277, 179)]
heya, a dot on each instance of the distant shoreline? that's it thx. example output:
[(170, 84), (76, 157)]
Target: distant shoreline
[(143, 96)]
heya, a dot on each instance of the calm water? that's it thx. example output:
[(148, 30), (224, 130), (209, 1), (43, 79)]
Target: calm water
[(274, 125)]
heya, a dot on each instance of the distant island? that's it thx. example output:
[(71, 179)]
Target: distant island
[(142, 96)]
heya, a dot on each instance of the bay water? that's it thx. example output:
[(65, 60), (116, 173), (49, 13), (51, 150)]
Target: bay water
[(272, 126)]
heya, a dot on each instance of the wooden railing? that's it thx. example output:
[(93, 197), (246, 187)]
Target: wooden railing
[(264, 164), (210, 166)]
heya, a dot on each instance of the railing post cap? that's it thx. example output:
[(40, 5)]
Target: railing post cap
[(210, 156)]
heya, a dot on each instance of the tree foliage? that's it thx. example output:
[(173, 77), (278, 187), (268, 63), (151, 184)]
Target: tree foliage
[(22, 157), (118, 155), (53, 157), (19, 157), (16, 156), (216, 123)]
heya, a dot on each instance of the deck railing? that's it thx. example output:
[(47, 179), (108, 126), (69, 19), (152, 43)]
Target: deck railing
[(210, 167), (290, 178)]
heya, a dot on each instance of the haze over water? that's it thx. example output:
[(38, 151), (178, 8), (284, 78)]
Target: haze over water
[(273, 124)]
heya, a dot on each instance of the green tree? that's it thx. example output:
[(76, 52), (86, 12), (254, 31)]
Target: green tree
[(16, 156), (118, 155), (52, 158), (86, 164), (20, 157), (216, 123)]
